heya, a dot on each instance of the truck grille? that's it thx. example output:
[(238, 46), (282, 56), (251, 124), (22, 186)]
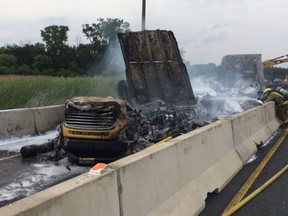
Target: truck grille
[(91, 120)]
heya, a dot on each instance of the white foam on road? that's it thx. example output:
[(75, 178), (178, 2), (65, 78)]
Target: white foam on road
[(41, 176), (37, 175), (16, 143)]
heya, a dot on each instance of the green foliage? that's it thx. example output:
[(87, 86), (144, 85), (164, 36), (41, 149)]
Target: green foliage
[(102, 36), (105, 31), (55, 39), (42, 62), (6, 70), (23, 70), (25, 53), (85, 57), (274, 72), (56, 58), (34, 91), (8, 60), (73, 67)]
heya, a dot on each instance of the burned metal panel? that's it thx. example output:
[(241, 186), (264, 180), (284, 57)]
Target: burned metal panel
[(154, 67), (243, 69)]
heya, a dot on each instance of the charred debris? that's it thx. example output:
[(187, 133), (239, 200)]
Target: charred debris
[(157, 82), (160, 101)]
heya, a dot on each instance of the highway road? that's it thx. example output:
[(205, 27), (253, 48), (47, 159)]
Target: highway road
[(21, 177), (273, 200)]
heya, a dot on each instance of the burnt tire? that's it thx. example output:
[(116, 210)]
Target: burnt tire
[(72, 158), (33, 150), (29, 151)]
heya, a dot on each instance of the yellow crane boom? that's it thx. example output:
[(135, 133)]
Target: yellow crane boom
[(275, 61)]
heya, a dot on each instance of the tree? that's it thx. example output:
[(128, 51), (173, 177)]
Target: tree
[(8, 63), (84, 56), (42, 62), (103, 35), (271, 73), (8, 60), (104, 32), (110, 27), (25, 53), (55, 39)]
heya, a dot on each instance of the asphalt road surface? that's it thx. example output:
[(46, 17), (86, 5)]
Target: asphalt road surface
[(273, 200), (21, 177)]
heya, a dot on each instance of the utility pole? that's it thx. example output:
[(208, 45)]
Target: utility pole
[(143, 14)]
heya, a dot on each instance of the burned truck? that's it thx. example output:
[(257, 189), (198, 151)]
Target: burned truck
[(242, 71), (157, 83), (158, 88), (105, 129), (157, 101)]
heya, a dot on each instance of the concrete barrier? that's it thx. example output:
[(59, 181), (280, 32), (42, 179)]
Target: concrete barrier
[(168, 179), (175, 178), (251, 128), (86, 194), (17, 122), (20, 122), (47, 118)]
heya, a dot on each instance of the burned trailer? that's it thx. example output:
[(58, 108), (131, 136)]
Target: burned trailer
[(154, 69), (237, 88), (242, 71)]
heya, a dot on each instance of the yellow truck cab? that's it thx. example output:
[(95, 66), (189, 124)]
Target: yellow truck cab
[(97, 128)]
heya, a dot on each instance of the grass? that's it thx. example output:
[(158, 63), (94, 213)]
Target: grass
[(35, 91)]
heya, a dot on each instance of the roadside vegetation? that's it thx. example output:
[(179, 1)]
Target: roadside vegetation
[(51, 71), (98, 55), (35, 91)]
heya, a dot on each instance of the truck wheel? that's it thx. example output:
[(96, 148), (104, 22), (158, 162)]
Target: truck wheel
[(72, 158)]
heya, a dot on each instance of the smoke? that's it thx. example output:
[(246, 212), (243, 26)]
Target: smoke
[(113, 59), (111, 63), (201, 87), (215, 101)]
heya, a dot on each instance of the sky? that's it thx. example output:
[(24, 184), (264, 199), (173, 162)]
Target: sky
[(206, 30)]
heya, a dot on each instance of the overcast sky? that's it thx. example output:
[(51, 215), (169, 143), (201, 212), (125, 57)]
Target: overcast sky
[(206, 29)]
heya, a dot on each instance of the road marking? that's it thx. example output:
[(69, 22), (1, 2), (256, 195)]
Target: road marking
[(10, 157), (256, 192), (239, 196)]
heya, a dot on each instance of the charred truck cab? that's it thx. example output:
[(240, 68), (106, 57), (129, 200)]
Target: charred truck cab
[(103, 128), (96, 127)]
